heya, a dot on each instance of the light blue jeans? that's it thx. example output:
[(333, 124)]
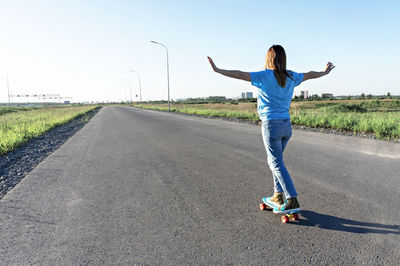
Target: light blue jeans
[(276, 134)]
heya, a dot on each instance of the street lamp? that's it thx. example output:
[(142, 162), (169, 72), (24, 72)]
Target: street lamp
[(8, 85), (167, 69), (140, 88), (130, 88)]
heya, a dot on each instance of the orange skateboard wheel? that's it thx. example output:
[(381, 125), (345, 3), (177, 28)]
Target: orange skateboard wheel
[(284, 219), (263, 206)]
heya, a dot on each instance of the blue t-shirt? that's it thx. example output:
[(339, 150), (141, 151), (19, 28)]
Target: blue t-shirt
[(273, 101)]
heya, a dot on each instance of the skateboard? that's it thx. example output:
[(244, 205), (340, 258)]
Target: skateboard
[(291, 216)]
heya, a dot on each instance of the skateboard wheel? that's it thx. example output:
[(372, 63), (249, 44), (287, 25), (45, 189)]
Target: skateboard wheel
[(284, 219), (263, 206), (295, 216)]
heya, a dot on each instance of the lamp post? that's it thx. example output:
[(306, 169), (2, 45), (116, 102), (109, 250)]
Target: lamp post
[(140, 88), (130, 88), (167, 69), (8, 84)]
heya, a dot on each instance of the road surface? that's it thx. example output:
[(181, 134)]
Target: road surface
[(148, 187)]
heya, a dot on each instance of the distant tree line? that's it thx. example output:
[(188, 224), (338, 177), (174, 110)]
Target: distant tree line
[(313, 97), (207, 100), (327, 96)]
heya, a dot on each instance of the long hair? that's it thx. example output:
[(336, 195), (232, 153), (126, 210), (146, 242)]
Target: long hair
[(276, 60)]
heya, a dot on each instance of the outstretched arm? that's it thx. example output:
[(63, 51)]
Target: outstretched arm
[(314, 74), (236, 74)]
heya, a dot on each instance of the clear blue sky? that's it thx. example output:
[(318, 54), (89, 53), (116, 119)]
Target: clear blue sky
[(85, 49)]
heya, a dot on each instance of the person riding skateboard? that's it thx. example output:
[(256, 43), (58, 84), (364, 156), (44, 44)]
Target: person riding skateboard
[(275, 91)]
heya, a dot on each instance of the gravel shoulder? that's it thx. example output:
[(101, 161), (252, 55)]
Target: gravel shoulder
[(15, 165)]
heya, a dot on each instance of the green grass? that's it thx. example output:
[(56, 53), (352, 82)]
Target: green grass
[(379, 117), (384, 125), (207, 111), (12, 109), (17, 125)]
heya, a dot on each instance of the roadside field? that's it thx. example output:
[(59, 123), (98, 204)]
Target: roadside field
[(19, 124), (12, 109), (378, 117), (241, 110)]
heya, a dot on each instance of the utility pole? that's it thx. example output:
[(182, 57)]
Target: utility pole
[(167, 69), (140, 88)]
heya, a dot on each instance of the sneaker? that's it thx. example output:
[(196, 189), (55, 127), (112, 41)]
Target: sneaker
[(291, 206), (276, 201)]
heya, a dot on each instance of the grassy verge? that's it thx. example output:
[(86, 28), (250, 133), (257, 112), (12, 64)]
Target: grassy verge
[(13, 109), (378, 117), (17, 125), (242, 111)]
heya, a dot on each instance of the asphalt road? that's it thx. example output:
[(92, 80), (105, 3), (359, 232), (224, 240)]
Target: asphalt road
[(147, 187)]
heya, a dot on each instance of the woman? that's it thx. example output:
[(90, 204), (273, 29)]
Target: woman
[(275, 90)]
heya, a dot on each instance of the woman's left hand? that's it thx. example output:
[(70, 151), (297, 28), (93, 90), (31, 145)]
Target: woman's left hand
[(230, 73), (214, 67)]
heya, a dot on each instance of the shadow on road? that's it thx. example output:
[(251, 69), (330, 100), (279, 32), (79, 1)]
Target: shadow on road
[(310, 218)]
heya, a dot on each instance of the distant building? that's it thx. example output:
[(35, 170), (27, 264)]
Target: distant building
[(304, 94), (246, 95)]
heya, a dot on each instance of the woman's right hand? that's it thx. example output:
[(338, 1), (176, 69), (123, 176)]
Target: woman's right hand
[(315, 74)]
